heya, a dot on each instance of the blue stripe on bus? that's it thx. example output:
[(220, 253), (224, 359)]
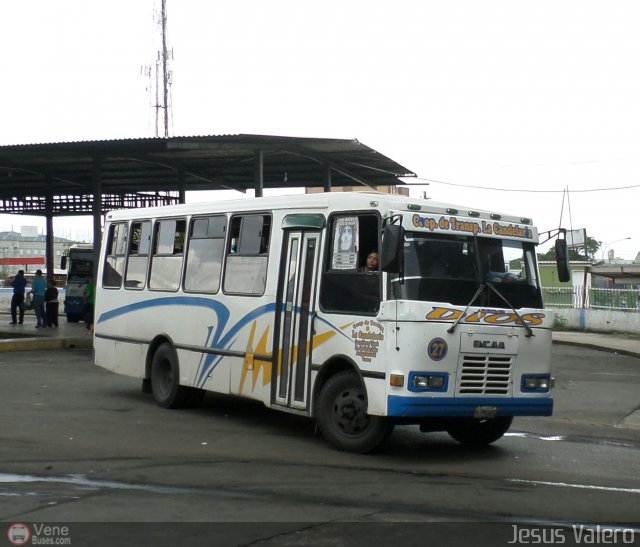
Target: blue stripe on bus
[(212, 361), (221, 311), (219, 340), (465, 406), (335, 328)]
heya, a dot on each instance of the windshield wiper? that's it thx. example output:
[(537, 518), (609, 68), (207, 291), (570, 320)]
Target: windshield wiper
[(496, 291), (464, 313)]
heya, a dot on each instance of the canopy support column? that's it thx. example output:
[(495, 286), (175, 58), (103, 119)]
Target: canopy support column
[(327, 178), (48, 211), (259, 173), (182, 193), (97, 213)]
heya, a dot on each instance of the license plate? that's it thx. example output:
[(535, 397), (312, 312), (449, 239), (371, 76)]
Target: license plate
[(485, 412)]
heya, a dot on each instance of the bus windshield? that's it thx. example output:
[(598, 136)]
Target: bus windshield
[(79, 269), (81, 266), (450, 269)]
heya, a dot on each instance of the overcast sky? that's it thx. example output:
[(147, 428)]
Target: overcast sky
[(525, 98)]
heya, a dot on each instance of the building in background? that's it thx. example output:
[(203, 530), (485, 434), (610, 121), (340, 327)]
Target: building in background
[(25, 250)]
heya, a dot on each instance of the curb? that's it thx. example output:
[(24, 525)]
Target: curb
[(607, 349), (25, 344)]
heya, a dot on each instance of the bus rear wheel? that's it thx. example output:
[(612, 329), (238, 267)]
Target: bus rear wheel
[(342, 416), (165, 379), (473, 432)]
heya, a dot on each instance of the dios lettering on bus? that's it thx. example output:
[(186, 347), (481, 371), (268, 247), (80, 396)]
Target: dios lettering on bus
[(495, 317)]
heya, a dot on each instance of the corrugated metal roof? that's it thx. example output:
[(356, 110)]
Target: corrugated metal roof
[(132, 171)]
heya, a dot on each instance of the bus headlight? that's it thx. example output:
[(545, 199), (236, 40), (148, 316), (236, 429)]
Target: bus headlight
[(425, 381), (536, 382)]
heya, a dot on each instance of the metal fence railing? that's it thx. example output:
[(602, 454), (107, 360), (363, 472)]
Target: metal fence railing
[(594, 298)]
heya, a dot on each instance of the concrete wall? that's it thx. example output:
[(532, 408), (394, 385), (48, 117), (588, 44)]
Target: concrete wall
[(598, 320)]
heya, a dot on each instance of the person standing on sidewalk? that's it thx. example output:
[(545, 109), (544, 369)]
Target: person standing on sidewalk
[(52, 304), (19, 285), (39, 289)]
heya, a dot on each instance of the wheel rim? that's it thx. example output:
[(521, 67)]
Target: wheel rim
[(349, 412)]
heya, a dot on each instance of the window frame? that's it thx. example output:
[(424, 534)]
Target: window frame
[(237, 253), (153, 256), (145, 280), (190, 238), (327, 271), (109, 252)]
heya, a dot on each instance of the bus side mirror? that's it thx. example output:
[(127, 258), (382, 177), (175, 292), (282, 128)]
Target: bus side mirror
[(392, 248), (562, 260), (63, 263)]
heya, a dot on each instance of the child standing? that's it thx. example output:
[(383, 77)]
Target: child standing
[(52, 304)]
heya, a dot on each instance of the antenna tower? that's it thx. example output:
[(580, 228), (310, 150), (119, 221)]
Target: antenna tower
[(161, 73)]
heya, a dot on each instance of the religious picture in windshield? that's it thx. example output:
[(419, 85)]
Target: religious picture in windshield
[(345, 249)]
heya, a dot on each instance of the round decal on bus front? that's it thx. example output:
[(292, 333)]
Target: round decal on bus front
[(437, 349)]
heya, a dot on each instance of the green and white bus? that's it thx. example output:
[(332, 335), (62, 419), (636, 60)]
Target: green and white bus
[(78, 262)]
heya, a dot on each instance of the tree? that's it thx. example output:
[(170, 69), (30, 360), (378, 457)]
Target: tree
[(591, 249)]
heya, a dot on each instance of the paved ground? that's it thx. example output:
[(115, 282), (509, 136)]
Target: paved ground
[(85, 448), (27, 337), (599, 341)]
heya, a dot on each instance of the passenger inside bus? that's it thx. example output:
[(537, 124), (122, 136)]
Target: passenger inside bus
[(371, 263)]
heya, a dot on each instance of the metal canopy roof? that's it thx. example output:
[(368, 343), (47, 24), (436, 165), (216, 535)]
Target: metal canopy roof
[(618, 273), (140, 172)]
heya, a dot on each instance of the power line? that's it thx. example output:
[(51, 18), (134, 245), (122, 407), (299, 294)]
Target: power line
[(525, 190)]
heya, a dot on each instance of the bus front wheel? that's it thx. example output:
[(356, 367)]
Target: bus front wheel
[(474, 432), (165, 379), (342, 416)]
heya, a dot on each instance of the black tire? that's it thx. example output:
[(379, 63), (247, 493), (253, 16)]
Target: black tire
[(342, 416), (146, 385), (165, 379), (474, 432), (73, 318)]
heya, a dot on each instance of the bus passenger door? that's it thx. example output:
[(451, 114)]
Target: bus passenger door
[(296, 309)]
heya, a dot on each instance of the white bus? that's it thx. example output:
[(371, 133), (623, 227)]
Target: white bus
[(79, 265), (267, 299)]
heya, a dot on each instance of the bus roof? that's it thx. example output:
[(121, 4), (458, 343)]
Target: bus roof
[(327, 200)]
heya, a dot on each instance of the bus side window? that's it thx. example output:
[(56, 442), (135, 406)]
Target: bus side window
[(138, 257), (168, 251), (247, 254), (115, 256), (205, 254), (345, 286)]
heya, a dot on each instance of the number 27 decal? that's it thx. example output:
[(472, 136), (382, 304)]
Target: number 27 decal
[(437, 349)]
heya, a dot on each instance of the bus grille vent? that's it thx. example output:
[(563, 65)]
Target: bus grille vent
[(485, 375)]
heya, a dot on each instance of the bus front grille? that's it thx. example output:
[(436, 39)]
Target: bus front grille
[(485, 375)]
